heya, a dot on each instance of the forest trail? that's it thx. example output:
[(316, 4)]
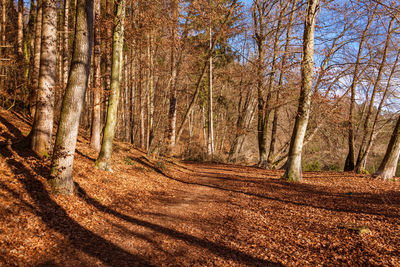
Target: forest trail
[(169, 212)]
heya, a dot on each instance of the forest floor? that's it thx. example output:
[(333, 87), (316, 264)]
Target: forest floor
[(169, 212)]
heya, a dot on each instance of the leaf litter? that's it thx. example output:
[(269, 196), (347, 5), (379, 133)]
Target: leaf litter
[(168, 212)]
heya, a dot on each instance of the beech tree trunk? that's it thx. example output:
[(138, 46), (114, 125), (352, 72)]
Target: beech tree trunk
[(103, 162), (293, 170), (173, 86), (96, 113), (210, 149), (20, 34), (67, 133), (43, 122), (36, 58), (65, 40), (388, 167)]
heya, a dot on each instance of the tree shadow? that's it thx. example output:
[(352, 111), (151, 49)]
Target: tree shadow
[(55, 216), (220, 250), (298, 194)]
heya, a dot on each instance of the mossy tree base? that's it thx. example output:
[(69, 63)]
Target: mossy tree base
[(104, 165), (64, 186)]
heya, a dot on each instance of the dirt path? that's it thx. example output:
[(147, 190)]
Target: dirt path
[(171, 213)]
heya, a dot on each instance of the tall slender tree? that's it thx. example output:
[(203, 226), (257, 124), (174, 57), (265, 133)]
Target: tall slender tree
[(388, 166), (67, 133), (293, 170), (36, 58), (43, 123), (103, 162), (96, 113)]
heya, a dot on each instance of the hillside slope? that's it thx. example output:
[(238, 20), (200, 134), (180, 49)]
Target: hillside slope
[(166, 212)]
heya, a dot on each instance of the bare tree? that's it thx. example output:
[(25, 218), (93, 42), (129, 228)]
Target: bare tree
[(103, 162), (67, 133), (388, 166), (43, 123), (293, 170)]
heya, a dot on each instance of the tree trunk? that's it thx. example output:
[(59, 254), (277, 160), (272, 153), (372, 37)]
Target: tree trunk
[(65, 41), (210, 148), (388, 167), (173, 86), (20, 35), (96, 113), (150, 93), (43, 122), (36, 58), (260, 36), (293, 167), (104, 160), (67, 133)]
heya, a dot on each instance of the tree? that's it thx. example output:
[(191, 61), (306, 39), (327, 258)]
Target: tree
[(388, 166), (67, 133), (293, 170), (36, 58), (103, 162), (173, 80), (43, 123), (96, 123)]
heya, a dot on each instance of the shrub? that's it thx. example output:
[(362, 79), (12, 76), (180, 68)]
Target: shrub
[(312, 166)]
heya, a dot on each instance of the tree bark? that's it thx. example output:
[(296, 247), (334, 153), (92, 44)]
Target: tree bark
[(43, 122), (36, 59), (20, 35), (388, 166), (210, 149), (293, 170), (67, 133), (96, 113), (65, 41), (103, 162), (173, 86)]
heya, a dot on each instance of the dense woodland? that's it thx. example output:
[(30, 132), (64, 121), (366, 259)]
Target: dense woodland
[(199, 133), (299, 85)]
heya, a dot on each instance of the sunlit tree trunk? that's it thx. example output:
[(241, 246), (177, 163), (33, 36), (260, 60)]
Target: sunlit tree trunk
[(36, 58), (293, 170), (150, 93), (388, 167), (20, 34), (103, 162), (65, 40), (96, 113), (67, 133), (43, 122), (172, 95), (373, 132), (3, 42), (210, 149)]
